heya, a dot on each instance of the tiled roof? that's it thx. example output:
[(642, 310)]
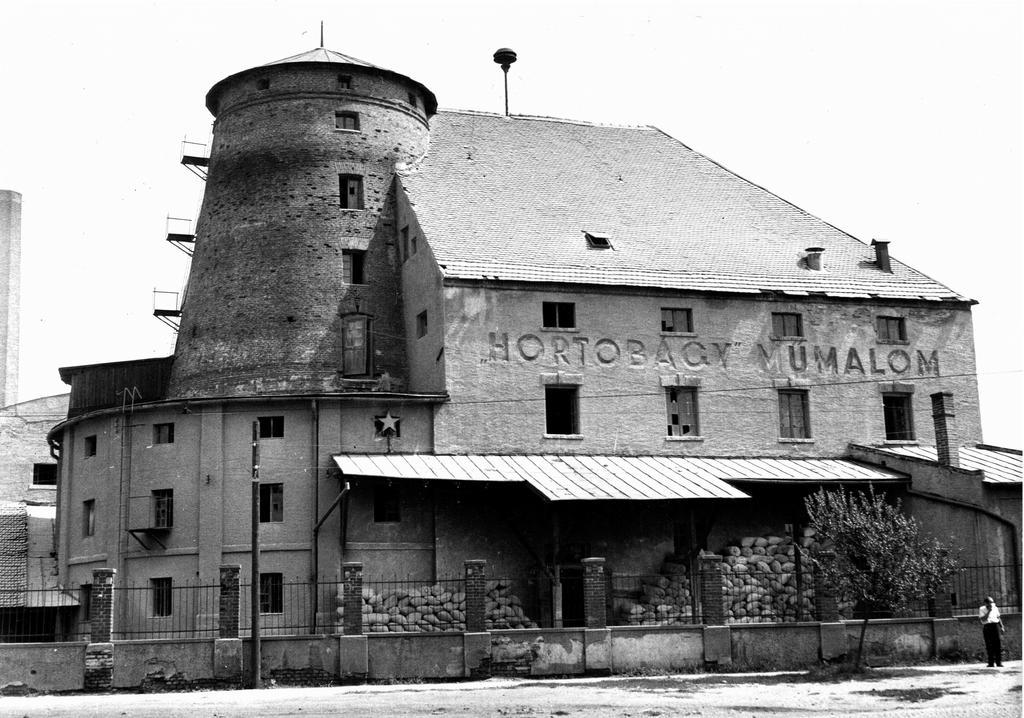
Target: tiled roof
[(13, 553), (321, 54), (571, 477), (1001, 466), (510, 199)]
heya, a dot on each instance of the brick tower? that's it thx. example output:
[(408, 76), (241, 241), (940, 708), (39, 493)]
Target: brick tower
[(294, 280), (10, 293)]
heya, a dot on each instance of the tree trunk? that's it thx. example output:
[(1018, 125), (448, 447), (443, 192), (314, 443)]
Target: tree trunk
[(860, 644)]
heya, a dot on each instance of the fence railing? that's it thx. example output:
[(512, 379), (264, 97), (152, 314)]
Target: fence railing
[(972, 584), (38, 615), (162, 610), (752, 596), (652, 600)]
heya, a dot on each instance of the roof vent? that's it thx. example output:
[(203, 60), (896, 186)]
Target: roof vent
[(598, 241), (813, 257), (882, 254)]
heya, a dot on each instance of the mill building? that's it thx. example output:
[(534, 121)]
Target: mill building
[(460, 335)]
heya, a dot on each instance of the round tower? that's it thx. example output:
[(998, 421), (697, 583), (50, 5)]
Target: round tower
[(294, 280)]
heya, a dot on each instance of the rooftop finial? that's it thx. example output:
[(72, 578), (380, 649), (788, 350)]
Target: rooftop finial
[(321, 33), (505, 57)]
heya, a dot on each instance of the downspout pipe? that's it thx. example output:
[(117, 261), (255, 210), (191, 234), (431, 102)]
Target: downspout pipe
[(315, 557), (978, 509)]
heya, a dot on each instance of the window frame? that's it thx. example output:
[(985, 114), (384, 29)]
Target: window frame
[(557, 312), (779, 323), (90, 444), (88, 518), (343, 191), (553, 394), (271, 427), (694, 401), (422, 325), (162, 501), (344, 117), (891, 412), (161, 594), (271, 593), (404, 242), (887, 321), (262, 84), (268, 515), (356, 357), (786, 414), (163, 433), (687, 313), (37, 470), (343, 82), (353, 266)]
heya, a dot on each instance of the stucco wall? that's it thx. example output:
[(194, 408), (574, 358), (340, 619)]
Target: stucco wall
[(43, 666), (23, 429), (498, 355)]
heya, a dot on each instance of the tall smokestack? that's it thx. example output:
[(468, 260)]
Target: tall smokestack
[(10, 293), (947, 441)]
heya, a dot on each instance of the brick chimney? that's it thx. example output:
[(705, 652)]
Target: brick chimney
[(947, 441), (10, 293), (882, 254)]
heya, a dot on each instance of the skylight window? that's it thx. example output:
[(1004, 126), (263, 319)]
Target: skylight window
[(598, 241)]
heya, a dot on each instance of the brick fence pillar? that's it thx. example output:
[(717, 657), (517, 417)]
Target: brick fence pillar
[(101, 622), (352, 576), (99, 654), (825, 603), (711, 605), (229, 600), (476, 594), (594, 593)]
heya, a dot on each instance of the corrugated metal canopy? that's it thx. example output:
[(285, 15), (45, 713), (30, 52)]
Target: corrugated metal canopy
[(570, 477), (1001, 466)]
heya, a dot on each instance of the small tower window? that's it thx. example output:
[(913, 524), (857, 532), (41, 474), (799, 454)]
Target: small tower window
[(421, 324), (346, 120), (412, 100), (351, 191), (344, 82), (598, 241), (263, 83)]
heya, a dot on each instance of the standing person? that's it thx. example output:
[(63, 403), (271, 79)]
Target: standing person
[(991, 626)]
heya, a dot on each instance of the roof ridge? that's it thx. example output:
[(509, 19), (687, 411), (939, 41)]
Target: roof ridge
[(547, 118)]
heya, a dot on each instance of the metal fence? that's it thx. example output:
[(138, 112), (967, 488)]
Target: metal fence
[(413, 606), (652, 600), (39, 615), (160, 609), (971, 584)]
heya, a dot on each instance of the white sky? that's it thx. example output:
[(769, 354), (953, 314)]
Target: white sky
[(891, 119)]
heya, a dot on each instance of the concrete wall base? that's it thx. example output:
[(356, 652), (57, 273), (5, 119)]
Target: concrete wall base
[(227, 659), (597, 651), (833, 641), (353, 657), (718, 645)]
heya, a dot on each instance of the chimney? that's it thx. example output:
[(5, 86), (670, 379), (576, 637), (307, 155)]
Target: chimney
[(882, 254), (813, 257), (10, 293), (947, 442)]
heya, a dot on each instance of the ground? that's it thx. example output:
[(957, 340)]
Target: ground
[(938, 691)]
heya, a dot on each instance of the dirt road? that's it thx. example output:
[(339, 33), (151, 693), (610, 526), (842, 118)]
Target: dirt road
[(947, 691)]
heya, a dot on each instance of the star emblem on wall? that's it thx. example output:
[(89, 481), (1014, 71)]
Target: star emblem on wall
[(387, 425)]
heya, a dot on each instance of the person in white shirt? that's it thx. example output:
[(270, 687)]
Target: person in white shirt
[(991, 626)]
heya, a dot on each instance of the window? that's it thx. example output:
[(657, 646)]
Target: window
[(160, 591), (85, 602), (351, 191), (892, 329), (682, 411), (271, 427), (677, 320), (352, 261), (89, 517), (412, 99), (386, 506), (44, 474), (271, 503), (561, 408), (163, 433), (794, 421), (163, 508), (787, 324), (344, 82), (559, 315), (346, 120), (405, 243), (899, 417), (263, 83), (598, 241), (271, 593), (90, 445), (421, 324), (355, 342)]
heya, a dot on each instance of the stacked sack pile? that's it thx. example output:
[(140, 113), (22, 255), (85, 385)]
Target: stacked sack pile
[(662, 600), (435, 608), (759, 581), (503, 609)]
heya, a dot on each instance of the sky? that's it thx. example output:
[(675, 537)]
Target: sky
[(895, 119)]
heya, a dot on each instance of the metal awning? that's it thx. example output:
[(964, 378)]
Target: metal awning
[(569, 477)]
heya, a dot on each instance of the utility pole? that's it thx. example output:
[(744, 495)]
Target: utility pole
[(254, 596)]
